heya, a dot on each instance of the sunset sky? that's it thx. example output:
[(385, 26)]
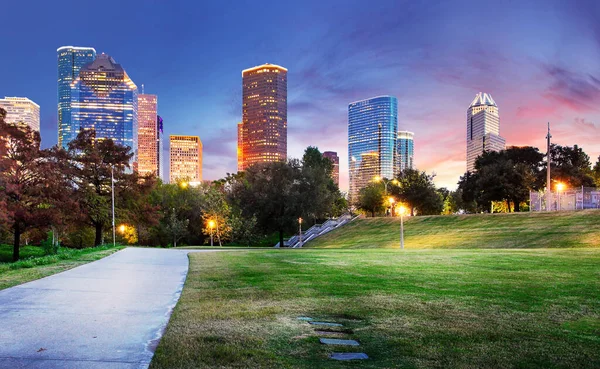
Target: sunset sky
[(540, 60)]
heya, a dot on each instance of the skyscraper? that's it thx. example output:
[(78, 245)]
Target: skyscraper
[(70, 61), (262, 136), (148, 135), (335, 160), (483, 128), (372, 139), (105, 99), (406, 150), (21, 110), (186, 158), (161, 160)]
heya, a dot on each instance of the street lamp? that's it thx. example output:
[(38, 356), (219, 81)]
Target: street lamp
[(385, 182), (300, 231), (122, 228), (183, 185), (559, 187), (402, 210), (211, 225)]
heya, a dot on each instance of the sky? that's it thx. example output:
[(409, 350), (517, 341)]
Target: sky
[(540, 61)]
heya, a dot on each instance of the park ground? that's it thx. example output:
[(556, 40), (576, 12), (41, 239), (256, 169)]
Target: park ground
[(468, 292)]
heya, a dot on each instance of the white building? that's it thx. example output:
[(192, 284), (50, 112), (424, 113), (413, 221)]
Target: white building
[(21, 110), (483, 128)]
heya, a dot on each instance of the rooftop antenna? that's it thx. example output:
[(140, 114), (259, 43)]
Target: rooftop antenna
[(142, 88)]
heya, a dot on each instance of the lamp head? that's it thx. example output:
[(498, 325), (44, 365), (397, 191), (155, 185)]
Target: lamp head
[(211, 224)]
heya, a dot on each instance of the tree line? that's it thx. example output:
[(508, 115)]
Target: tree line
[(69, 193)]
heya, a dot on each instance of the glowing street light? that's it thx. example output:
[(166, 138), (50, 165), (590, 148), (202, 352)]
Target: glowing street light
[(183, 184), (385, 182), (559, 187), (211, 225), (300, 231), (122, 228), (402, 211)]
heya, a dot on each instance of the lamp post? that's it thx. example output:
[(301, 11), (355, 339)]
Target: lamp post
[(112, 190), (385, 182), (300, 231), (211, 225), (559, 187), (402, 227)]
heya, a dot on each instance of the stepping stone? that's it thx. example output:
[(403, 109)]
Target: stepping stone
[(305, 318), (344, 356), (327, 324), (335, 341)]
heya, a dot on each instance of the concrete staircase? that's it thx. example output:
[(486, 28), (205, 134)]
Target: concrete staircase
[(316, 231)]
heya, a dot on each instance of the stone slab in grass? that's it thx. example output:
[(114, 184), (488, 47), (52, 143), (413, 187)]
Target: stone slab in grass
[(335, 341), (345, 356), (329, 324)]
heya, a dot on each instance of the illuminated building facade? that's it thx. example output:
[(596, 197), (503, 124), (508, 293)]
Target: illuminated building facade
[(406, 150), (372, 139), (161, 161), (185, 159), (262, 136), (21, 110), (483, 128), (335, 160), (70, 61), (105, 99), (148, 135)]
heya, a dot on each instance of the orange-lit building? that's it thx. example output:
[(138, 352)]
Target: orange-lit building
[(262, 134), (335, 160), (148, 135), (185, 158)]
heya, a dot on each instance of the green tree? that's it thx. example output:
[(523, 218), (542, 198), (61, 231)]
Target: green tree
[(177, 228), (570, 165), (417, 190), (596, 172), (370, 199)]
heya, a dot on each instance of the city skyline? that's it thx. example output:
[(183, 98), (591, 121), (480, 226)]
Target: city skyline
[(429, 63)]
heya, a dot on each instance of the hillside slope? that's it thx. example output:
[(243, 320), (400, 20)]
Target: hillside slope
[(517, 230)]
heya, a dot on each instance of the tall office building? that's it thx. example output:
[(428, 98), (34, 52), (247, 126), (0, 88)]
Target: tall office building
[(372, 139), (161, 160), (186, 158), (483, 128), (105, 99), (406, 150), (70, 61), (335, 160), (21, 110), (262, 136), (148, 135)]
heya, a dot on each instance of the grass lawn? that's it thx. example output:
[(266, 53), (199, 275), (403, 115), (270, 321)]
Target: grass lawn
[(34, 265), (524, 230), (409, 309)]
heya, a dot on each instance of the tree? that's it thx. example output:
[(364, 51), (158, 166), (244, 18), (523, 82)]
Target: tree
[(596, 172), (30, 185), (177, 228), (417, 189), (370, 199), (216, 209), (570, 165), (323, 195)]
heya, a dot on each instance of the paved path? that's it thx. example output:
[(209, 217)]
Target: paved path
[(107, 314)]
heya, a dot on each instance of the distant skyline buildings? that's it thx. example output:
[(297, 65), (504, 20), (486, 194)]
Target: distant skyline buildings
[(70, 61), (21, 110), (335, 160), (372, 140), (148, 135), (406, 150), (262, 134), (185, 158), (483, 128), (105, 99)]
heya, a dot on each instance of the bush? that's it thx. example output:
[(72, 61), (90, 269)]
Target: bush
[(50, 244)]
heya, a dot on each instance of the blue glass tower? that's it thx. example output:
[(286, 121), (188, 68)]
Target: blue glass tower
[(104, 99), (70, 61), (372, 138), (406, 150)]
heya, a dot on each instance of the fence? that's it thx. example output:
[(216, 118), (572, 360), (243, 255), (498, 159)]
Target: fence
[(572, 199)]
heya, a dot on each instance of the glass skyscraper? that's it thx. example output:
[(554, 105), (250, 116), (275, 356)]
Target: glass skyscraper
[(483, 128), (70, 61), (372, 140), (148, 135), (105, 99), (406, 150)]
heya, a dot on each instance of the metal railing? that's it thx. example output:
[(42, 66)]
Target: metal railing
[(570, 199)]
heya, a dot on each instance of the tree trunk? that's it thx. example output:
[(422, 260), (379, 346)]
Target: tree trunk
[(372, 214), (517, 205), (17, 242), (280, 238), (412, 211), (508, 204), (98, 239)]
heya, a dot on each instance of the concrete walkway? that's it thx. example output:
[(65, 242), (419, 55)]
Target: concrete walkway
[(107, 314)]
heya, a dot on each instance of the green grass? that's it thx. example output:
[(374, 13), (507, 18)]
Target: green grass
[(524, 230), (409, 309), (25, 252), (34, 265)]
